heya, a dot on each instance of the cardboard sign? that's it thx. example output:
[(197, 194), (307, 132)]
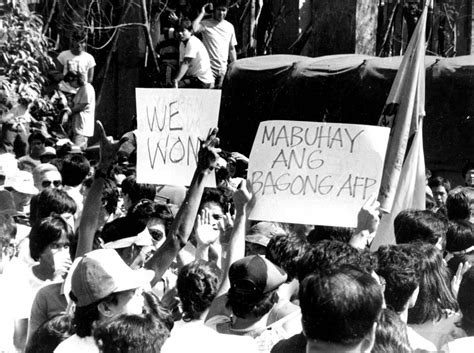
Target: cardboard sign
[(170, 123), (315, 173)]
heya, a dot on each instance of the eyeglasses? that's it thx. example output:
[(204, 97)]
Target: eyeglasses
[(47, 183)]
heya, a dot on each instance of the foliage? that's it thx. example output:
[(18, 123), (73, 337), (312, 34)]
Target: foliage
[(24, 58)]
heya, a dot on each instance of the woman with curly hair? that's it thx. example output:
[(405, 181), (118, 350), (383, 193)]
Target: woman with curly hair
[(434, 314), (197, 287)]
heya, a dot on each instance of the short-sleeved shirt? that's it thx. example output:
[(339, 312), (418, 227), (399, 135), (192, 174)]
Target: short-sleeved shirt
[(83, 122), (78, 63), (200, 66), (218, 37)]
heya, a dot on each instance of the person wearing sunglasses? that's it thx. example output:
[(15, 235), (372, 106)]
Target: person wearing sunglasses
[(47, 176)]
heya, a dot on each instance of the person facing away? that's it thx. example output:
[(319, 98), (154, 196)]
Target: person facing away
[(218, 36)]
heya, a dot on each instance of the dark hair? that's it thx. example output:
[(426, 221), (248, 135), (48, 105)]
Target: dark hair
[(85, 316), (121, 228), (36, 136), (400, 267), (155, 307), (435, 296), (79, 36), (286, 250), (330, 233), (184, 23), (7, 229), (131, 333), (458, 203), (418, 225), (50, 334), (74, 169), (145, 209), (136, 191), (221, 3), (467, 167), (46, 232), (197, 287), (435, 182), (391, 334), (243, 305), (466, 302), (215, 196), (328, 254), (50, 201), (460, 236), (75, 76), (110, 196), (339, 306)]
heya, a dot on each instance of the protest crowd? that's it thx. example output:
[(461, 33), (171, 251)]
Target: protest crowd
[(93, 261)]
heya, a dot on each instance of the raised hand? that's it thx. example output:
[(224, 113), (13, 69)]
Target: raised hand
[(108, 149), (456, 281), (241, 197), (204, 232), (209, 152)]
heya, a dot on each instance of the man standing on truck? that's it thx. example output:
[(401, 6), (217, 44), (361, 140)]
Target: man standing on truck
[(218, 36)]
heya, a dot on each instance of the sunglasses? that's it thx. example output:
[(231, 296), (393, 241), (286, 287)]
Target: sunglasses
[(47, 183)]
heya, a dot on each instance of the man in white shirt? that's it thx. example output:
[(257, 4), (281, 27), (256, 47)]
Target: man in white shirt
[(76, 59), (194, 65), (218, 36)]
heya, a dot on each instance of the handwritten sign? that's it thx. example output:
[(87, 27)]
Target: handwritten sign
[(315, 173), (170, 123)]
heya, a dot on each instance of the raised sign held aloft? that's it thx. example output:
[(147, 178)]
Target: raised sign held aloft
[(170, 123), (315, 173)]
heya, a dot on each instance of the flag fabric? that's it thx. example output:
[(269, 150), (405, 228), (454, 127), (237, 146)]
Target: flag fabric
[(403, 181)]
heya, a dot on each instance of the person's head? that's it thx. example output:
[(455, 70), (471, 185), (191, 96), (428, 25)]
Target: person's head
[(391, 334), (36, 142), (50, 334), (133, 192), (78, 42), (74, 169), (52, 201), (155, 216), (416, 225), (48, 154), (184, 29), (131, 333), (75, 78), (8, 231), (468, 173), (343, 234), (214, 201), (458, 204), (460, 236), (197, 287), (104, 287), (259, 235), (440, 188), (340, 307), (399, 266), (47, 176), (435, 296), (49, 243), (128, 237), (220, 9), (21, 187), (253, 284), (466, 301), (286, 250), (328, 254)]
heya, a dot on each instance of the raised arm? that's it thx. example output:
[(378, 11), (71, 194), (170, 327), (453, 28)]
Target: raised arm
[(184, 221), (197, 21), (90, 214)]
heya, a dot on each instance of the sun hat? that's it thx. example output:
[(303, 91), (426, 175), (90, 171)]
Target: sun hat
[(48, 151), (255, 275), (21, 181), (103, 272)]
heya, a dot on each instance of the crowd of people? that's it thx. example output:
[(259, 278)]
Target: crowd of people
[(93, 261)]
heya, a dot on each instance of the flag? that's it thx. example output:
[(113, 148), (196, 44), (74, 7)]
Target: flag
[(403, 181)]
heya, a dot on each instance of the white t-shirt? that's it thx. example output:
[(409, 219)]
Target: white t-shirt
[(418, 342), (76, 344), (218, 37), (200, 66), (461, 345), (83, 122), (197, 338), (439, 332), (79, 63)]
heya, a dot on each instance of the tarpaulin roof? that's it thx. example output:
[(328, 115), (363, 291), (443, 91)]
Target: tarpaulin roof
[(348, 89)]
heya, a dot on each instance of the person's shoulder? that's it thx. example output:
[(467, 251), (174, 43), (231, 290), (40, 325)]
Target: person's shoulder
[(64, 54), (419, 342), (294, 344)]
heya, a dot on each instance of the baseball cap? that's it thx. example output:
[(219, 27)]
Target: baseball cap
[(48, 151), (103, 272), (262, 232), (21, 181), (255, 275)]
